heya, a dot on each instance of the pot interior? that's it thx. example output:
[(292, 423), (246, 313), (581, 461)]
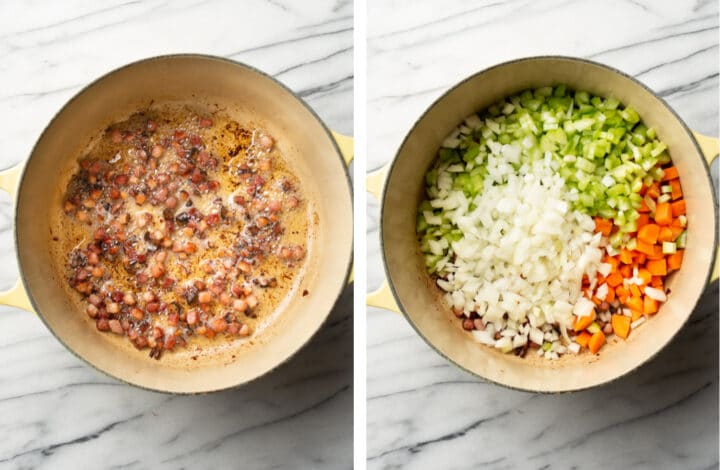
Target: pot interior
[(205, 84), (421, 299)]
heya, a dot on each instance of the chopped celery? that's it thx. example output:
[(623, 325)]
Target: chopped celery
[(632, 244), (599, 147), (594, 328), (681, 239)]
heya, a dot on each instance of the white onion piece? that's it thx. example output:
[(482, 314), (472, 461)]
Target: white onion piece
[(656, 294)]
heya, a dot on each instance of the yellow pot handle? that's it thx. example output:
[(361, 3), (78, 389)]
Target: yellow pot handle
[(383, 297), (346, 145), (347, 149), (710, 147), (10, 178), (15, 296)]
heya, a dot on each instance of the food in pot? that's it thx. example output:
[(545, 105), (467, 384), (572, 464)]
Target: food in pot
[(551, 221), (179, 226)]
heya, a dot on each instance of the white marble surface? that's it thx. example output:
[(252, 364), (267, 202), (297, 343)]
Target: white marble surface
[(56, 412), (423, 412)]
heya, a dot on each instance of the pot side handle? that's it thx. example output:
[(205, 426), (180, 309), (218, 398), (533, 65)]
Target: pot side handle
[(710, 147), (383, 297), (346, 144), (10, 178), (15, 296)]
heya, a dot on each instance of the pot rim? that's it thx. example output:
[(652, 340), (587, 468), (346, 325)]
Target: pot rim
[(473, 76), (96, 81)]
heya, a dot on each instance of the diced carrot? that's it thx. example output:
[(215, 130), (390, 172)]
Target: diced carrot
[(657, 267), (677, 223), (626, 271), (645, 275), (670, 173), (643, 189), (642, 221), (603, 226), (596, 301), (635, 290), (663, 213), (666, 235), (644, 247), (634, 303), (643, 209), (650, 305), (649, 233), (635, 314), (676, 189), (674, 261), (640, 258), (583, 339), (613, 262), (581, 323), (596, 342), (614, 279), (657, 282), (657, 253), (653, 191), (610, 295), (621, 291), (626, 256), (678, 208), (600, 279), (676, 231), (621, 325)]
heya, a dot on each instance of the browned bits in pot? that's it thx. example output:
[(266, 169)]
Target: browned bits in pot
[(266, 142), (116, 136), (218, 324), (205, 297), (186, 223), (116, 327)]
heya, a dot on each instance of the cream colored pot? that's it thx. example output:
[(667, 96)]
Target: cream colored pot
[(410, 290), (212, 84)]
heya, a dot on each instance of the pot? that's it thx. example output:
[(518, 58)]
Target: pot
[(317, 156), (410, 290)]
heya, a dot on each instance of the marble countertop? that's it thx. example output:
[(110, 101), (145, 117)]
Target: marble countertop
[(425, 413), (55, 411)]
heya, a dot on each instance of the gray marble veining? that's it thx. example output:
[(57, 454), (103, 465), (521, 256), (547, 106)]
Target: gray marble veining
[(425, 413), (55, 411)]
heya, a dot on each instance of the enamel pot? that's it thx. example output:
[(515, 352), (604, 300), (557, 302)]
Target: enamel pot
[(400, 186), (317, 156)]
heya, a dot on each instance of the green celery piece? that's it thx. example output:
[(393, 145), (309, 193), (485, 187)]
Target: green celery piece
[(585, 165), (630, 115), (582, 97), (471, 153), (425, 206), (431, 177), (543, 92), (611, 103), (682, 239), (447, 155), (553, 140), (421, 224)]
